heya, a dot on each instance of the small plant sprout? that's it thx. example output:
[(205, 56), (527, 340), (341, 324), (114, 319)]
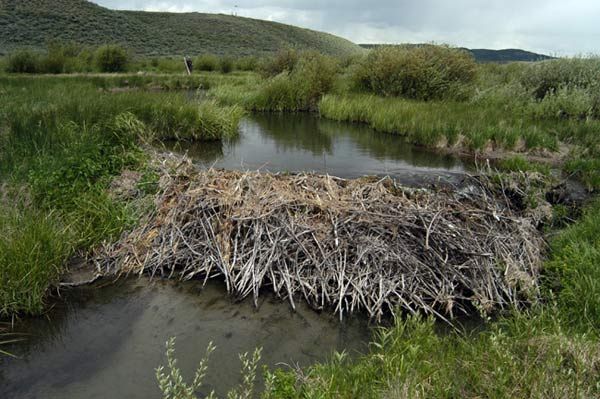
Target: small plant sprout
[(170, 380), (172, 385)]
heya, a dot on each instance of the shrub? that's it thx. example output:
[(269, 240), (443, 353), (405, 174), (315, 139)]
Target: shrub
[(60, 58), (419, 72), (226, 65), (302, 88), (284, 60), (247, 63), (23, 61), (547, 77), (314, 75), (207, 62), (566, 102), (111, 58), (172, 385)]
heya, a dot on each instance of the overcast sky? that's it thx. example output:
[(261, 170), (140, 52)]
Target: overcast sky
[(558, 27)]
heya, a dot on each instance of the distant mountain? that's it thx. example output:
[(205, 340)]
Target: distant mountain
[(485, 55), (31, 23), (508, 55)]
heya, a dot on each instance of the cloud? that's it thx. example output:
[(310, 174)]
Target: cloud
[(550, 26)]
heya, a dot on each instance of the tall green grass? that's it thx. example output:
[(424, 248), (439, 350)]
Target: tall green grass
[(62, 141), (518, 357), (440, 123), (33, 248), (573, 272)]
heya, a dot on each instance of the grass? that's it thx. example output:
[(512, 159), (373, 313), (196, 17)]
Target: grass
[(515, 358), (63, 140), (29, 23), (32, 253)]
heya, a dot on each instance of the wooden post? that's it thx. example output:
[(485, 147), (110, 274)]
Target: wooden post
[(187, 67)]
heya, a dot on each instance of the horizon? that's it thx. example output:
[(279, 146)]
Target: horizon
[(536, 26)]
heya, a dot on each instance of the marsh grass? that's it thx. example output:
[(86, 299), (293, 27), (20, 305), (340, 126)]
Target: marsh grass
[(439, 123), (32, 252), (573, 274), (62, 142), (521, 164), (524, 358)]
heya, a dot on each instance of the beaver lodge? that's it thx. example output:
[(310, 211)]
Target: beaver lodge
[(346, 245)]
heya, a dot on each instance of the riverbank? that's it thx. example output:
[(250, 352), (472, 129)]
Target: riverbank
[(61, 144)]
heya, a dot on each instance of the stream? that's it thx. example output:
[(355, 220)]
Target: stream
[(106, 342), (304, 142)]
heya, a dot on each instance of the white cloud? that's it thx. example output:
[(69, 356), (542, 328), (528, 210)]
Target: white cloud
[(551, 26)]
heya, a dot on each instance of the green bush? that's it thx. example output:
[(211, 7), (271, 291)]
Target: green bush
[(548, 77), (22, 61), (60, 58), (418, 72), (207, 62), (247, 63), (226, 65), (302, 88), (284, 60), (567, 102), (111, 58)]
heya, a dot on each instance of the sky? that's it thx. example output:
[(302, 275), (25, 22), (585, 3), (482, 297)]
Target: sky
[(555, 27)]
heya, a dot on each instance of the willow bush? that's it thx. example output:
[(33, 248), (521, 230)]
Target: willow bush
[(417, 72)]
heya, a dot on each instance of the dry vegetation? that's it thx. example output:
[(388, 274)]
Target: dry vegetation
[(350, 245)]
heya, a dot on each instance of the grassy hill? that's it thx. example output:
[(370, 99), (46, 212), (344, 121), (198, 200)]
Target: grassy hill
[(486, 55), (31, 23)]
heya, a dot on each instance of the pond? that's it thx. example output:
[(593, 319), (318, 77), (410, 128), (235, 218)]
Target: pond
[(305, 142), (107, 343)]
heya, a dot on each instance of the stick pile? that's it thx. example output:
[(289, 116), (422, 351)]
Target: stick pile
[(350, 245)]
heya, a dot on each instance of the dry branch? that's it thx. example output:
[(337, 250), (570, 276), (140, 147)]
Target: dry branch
[(350, 245)]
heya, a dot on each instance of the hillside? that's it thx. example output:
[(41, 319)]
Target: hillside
[(508, 55), (32, 23), (486, 55)]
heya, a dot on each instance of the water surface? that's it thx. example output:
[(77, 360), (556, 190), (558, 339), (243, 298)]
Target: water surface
[(106, 343), (305, 142)]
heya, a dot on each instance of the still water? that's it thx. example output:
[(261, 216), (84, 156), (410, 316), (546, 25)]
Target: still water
[(304, 142), (106, 343)]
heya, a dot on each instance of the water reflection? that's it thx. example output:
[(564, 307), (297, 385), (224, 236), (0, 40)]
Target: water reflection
[(304, 142)]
